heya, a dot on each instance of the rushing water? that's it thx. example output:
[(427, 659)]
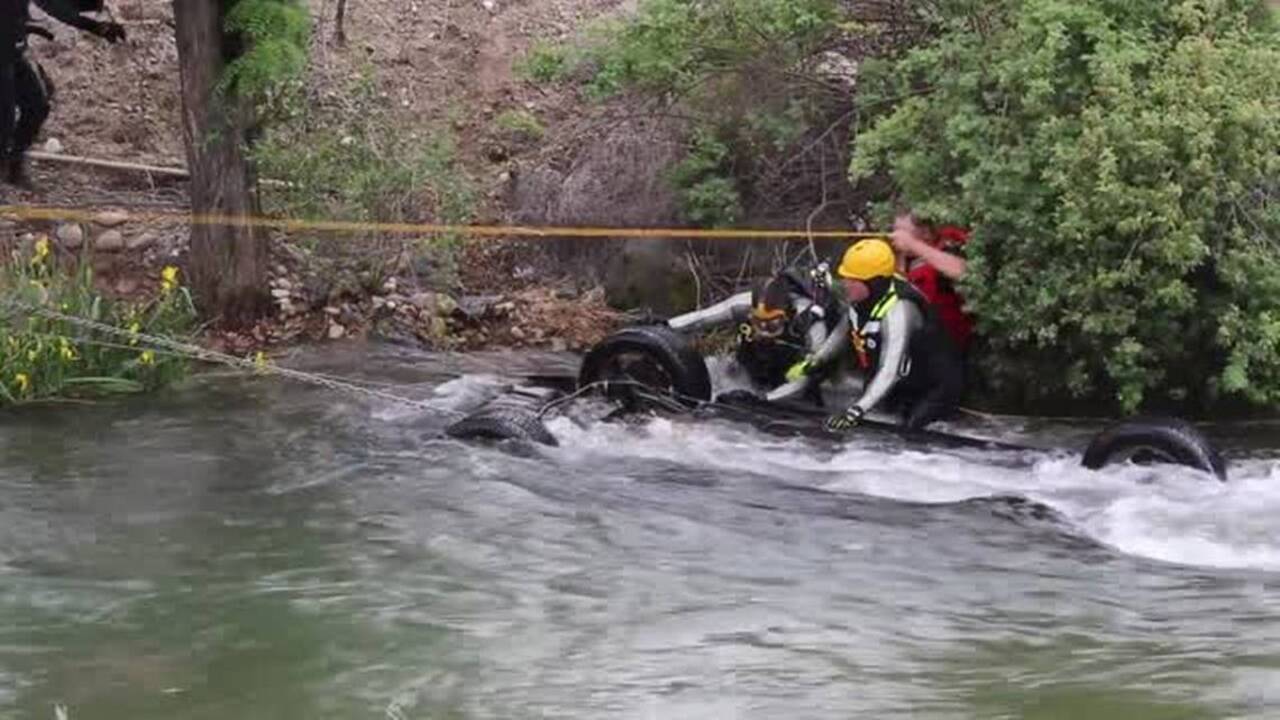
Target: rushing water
[(249, 548)]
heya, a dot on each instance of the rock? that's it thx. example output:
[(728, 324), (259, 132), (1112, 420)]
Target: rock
[(559, 345), (53, 145), (280, 269), (425, 301), (127, 286), (378, 301), (111, 218), (70, 235), (280, 293), (140, 242), (474, 307), (109, 241), (389, 286), (332, 311), (392, 305), (283, 284), (446, 305), (496, 153), (517, 333), (504, 308), (336, 331)]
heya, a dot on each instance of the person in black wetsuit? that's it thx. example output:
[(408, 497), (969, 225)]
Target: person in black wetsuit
[(781, 323), (25, 90)]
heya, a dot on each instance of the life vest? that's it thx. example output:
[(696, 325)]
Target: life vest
[(941, 293), (928, 348)]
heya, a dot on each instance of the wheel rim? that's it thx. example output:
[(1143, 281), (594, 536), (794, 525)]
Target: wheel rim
[(625, 369), (1147, 455)]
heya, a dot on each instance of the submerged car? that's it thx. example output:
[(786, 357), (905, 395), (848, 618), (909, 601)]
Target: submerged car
[(650, 370)]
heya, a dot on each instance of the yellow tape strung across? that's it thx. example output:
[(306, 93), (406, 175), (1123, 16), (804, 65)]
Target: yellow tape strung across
[(33, 212)]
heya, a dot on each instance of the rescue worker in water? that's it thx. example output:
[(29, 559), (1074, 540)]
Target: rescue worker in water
[(780, 323), (895, 337)]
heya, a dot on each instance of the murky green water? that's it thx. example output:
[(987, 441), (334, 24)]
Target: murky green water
[(246, 548)]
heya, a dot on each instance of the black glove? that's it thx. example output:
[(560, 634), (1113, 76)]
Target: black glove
[(112, 32), (740, 396), (847, 420)]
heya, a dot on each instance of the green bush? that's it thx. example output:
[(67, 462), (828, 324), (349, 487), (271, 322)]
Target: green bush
[(273, 35), (1120, 163), (743, 71), (350, 160), (43, 357), (544, 63), (521, 124)]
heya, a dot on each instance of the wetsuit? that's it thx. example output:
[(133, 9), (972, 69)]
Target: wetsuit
[(897, 337), (25, 90), (766, 361)]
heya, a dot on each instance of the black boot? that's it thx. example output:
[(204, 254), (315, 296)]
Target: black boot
[(16, 173)]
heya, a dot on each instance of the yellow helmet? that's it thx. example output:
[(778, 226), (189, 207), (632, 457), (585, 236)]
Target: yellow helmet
[(868, 259)]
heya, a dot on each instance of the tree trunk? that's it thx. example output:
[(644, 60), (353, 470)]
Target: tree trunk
[(340, 32), (228, 263)]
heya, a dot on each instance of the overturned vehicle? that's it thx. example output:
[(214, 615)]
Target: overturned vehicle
[(650, 370)]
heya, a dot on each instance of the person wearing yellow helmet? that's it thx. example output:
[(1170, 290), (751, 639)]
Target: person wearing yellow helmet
[(780, 323), (895, 338)]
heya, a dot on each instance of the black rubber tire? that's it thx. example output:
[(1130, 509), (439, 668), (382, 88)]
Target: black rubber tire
[(687, 371), (502, 424), (1155, 440)]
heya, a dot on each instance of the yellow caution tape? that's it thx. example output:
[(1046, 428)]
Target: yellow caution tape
[(64, 214)]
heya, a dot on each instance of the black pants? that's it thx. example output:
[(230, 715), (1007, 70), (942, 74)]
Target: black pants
[(930, 393), (25, 100)]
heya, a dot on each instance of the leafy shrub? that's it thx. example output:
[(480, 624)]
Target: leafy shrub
[(273, 35), (521, 124), (747, 73), (43, 357), (1120, 162)]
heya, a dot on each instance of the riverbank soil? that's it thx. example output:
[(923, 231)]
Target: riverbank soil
[(438, 69)]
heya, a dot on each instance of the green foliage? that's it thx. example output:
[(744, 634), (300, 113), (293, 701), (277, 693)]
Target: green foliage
[(1120, 162), (272, 36), (544, 63), (708, 195), (521, 124), (42, 358), (351, 160), (743, 70)]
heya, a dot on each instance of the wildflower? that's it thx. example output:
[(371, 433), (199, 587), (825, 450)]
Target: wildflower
[(68, 353), (260, 362), (41, 251), (147, 358), (32, 355), (169, 278), (134, 328), (23, 381)]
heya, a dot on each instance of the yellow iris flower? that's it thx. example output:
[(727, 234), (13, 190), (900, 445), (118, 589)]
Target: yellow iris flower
[(169, 278)]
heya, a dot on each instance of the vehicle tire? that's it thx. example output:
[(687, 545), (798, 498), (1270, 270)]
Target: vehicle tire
[(1155, 440), (654, 356), (502, 424)]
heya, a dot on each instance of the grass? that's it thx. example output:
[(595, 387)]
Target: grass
[(44, 355)]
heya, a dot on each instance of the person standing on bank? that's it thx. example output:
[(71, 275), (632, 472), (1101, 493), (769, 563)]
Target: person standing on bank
[(25, 90)]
